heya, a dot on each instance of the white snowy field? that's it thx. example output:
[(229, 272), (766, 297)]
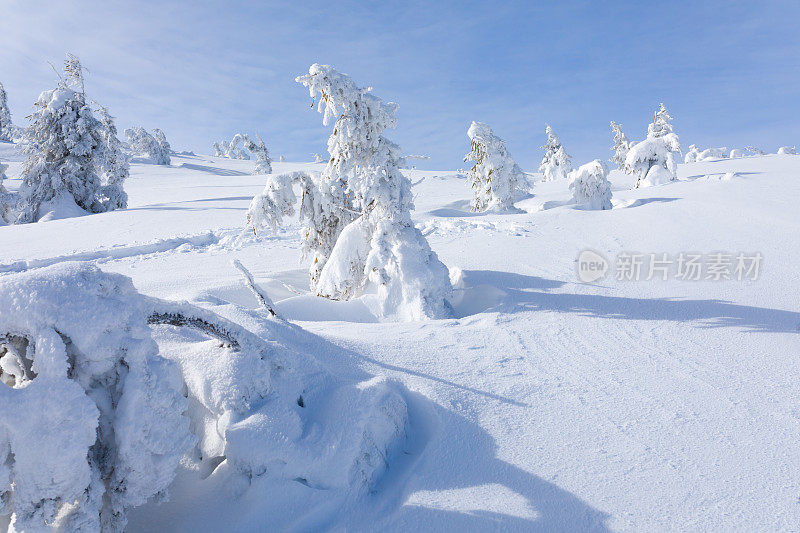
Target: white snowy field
[(546, 404)]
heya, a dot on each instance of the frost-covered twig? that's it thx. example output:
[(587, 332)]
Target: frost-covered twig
[(174, 318), (263, 299)]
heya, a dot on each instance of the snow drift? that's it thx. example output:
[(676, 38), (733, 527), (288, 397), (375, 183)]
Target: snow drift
[(104, 391)]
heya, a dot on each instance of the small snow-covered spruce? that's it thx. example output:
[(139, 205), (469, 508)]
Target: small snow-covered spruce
[(691, 155), (113, 164), (64, 145), (357, 212), (7, 200), (590, 185), (621, 145), (282, 159), (556, 164), (161, 139), (654, 160), (495, 175), (259, 150), (318, 158), (6, 126), (142, 143), (218, 150)]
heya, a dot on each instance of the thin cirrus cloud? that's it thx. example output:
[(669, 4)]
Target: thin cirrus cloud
[(202, 71)]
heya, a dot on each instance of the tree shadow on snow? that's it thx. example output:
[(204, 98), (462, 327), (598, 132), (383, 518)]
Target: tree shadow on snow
[(462, 485), (501, 291), (213, 170)]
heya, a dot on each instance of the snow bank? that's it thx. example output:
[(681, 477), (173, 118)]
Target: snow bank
[(92, 420)]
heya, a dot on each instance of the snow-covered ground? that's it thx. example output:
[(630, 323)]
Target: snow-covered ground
[(547, 403)]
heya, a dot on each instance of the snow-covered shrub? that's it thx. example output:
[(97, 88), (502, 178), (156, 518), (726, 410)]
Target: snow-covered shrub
[(736, 154), (590, 185), (358, 212), (144, 144), (753, 150), (621, 145), (65, 147), (495, 175), (259, 150), (654, 160), (6, 126), (113, 164), (713, 153), (691, 155), (92, 420), (787, 150), (556, 164)]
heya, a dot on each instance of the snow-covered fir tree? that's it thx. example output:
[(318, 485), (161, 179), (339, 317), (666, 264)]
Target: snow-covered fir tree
[(318, 158), (655, 160), (590, 185), (691, 155), (7, 200), (161, 139), (64, 145), (358, 211), (113, 164), (621, 145), (556, 164), (282, 159), (218, 150), (144, 144), (754, 150), (259, 150), (495, 175), (6, 126)]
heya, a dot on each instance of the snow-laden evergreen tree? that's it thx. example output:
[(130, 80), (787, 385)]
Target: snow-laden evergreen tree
[(142, 143), (282, 159), (7, 200), (590, 185), (691, 155), (556, 164), (6, 126), (113, 164), (259, 150), (218, 150), (753, 150), (787, 150), (495, 175), (358, 211), (318, 158), (64, 145), (161, 139), (621, 145), (654, 160), (736, 154)]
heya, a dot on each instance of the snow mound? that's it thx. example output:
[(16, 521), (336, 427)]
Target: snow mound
[(104, 391), (92, 420)]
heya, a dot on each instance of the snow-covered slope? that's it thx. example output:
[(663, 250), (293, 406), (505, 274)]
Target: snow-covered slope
[(548, 403)]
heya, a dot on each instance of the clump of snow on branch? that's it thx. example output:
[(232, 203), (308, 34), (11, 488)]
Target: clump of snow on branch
[(654, 160), (495, 175), (621, 145), (590, 185), (556, 164), (156, 149), (92, 420), (358, 228)]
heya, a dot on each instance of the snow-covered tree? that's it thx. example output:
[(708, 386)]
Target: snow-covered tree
[(621, 145), (495, 175), (691, 155), (357, 212), (736, 154), (161, 139), (713, 153), (64, 145), (753, 150), (113, 164), (6, 126), (259, 150), (218, 152), (590, 185), (93, 420), (142, 143), (654, 160), (318, 158), (787, 150), (7, 200), (556, 164), (282, 159)]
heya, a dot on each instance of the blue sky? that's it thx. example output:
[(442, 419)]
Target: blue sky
[(729, 72)]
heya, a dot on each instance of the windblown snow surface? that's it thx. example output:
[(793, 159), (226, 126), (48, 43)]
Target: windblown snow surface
[(546, 404)]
